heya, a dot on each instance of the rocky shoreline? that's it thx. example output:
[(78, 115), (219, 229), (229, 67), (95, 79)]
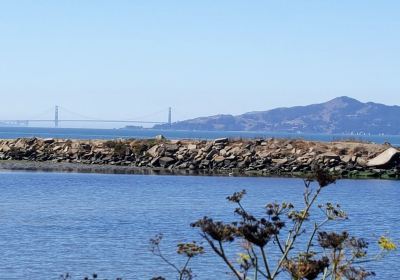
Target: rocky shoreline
[(263, 157)]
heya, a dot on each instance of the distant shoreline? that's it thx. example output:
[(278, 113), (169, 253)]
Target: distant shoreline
[(220, 157)]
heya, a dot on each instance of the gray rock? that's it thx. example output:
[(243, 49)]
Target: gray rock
[(192, 167), (5, 148), (153, 151), (192, 147), (164, 161), (154, 161), (360, 161), (219, 159), (236, 151), (220, 140), (48, 140), (172, 148), (211, 154), (231, 157), (280, 160), (183, 165), (346, 158), (56, 149), (329, 156)]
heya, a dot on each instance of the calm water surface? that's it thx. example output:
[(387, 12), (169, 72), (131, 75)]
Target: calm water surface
[(82, 133), (82, 223)]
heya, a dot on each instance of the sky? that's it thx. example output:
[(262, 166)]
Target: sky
[(125, 59)]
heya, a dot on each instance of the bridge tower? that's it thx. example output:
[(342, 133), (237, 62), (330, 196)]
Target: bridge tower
[(56, 116), (170, 116)]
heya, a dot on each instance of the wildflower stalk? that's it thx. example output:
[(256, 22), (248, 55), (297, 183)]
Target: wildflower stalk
[(266, 263), (316, 228), (224, 257), (290, 244)]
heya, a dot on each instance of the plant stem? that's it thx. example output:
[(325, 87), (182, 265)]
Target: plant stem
[(166, 260), (184, 268), (296, 233), (255, 264), (265, 262), (279, 244), (228, 262)]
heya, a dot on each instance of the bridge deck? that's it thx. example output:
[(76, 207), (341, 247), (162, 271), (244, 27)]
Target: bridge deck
[(96, 121)]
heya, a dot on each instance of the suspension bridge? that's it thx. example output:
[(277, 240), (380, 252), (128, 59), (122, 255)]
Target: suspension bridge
[(57, 120)]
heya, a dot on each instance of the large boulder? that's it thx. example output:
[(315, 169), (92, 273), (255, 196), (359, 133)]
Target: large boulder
[(48, 140), (153, 151), (221, 140), (171, 148), (280, 161), (219, 159), (346, 158), (384, 159), (211, 154), (192, 147), (165, 161), (5, 148)]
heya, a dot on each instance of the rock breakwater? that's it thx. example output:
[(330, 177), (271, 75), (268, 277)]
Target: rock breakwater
[(264, 157)]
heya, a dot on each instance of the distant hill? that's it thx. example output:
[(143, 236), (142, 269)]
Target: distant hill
[(340, 115)]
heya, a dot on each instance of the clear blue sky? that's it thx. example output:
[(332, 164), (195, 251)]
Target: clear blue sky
[(121, 59)]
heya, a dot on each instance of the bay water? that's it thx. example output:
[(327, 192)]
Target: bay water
[(84, 133), (53, 223)]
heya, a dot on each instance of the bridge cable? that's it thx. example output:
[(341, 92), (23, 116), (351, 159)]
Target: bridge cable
[(78, 114), (44, 113), (149, 115)]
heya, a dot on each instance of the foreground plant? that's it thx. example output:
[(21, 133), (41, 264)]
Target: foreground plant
[(188, 250), (325, 255)]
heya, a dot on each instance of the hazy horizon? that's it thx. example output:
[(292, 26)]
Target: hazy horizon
[(128, 59)]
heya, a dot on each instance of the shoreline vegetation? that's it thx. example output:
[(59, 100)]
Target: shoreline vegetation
[(225, 157)]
